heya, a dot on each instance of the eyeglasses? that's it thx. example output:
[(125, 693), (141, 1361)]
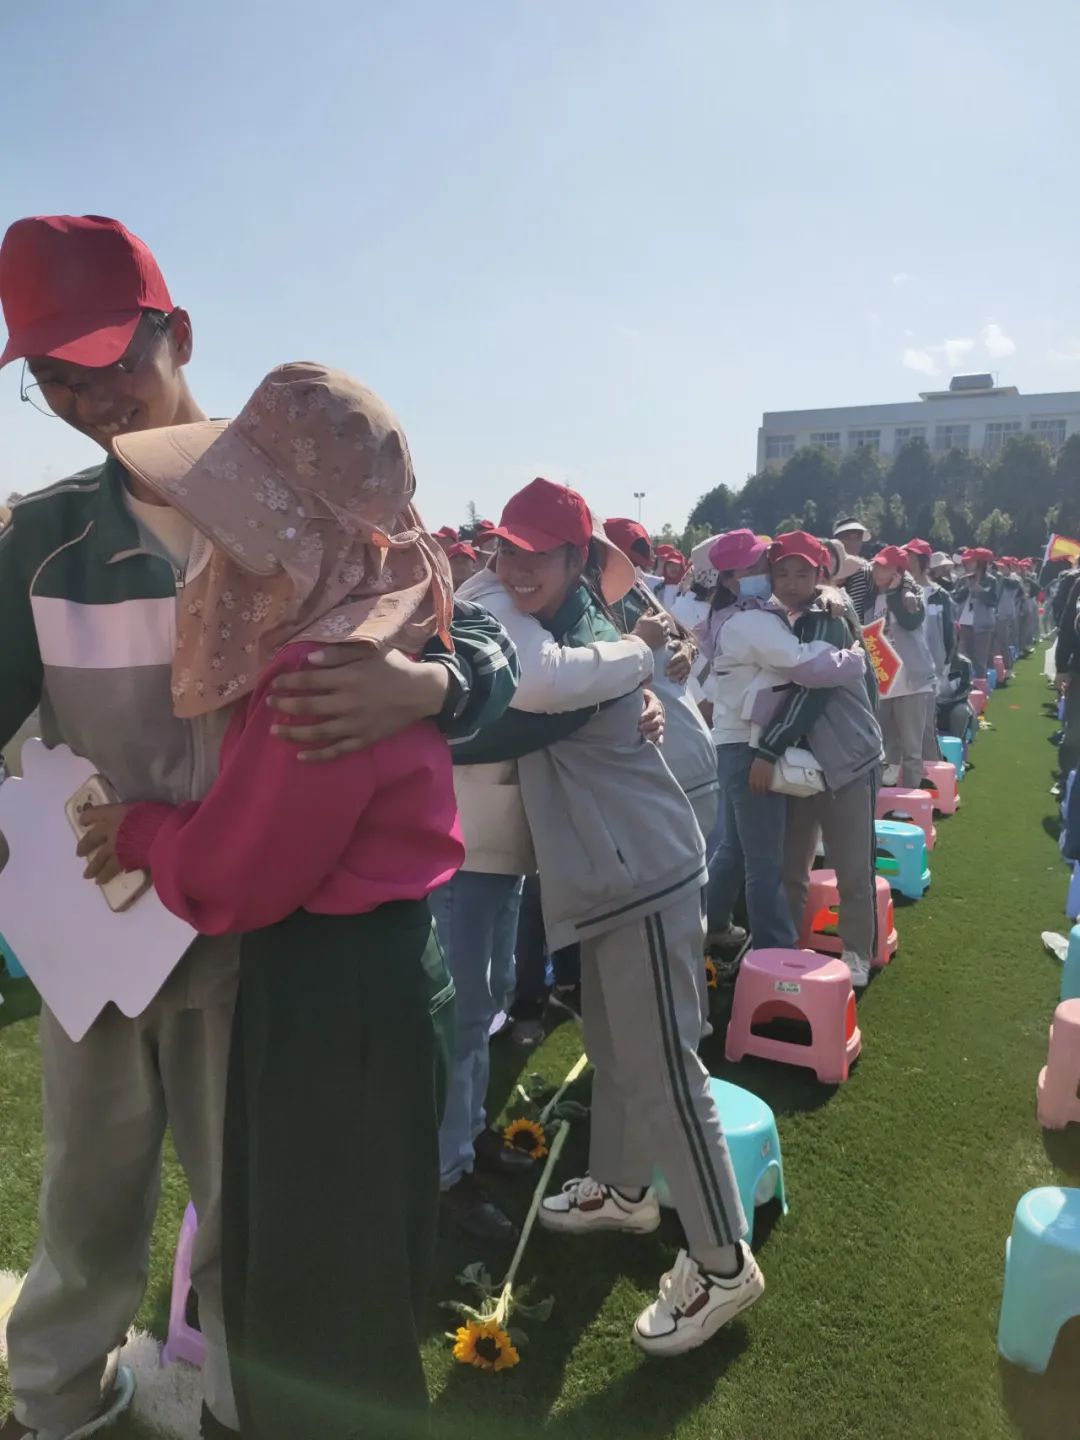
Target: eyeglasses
[(56, 399)]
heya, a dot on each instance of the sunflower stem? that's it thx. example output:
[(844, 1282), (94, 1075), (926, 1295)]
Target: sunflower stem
[(575, 1070), (502, 1309)]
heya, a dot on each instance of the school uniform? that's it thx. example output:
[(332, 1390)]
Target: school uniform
[(941, 638), (88, 601), (977, 620), (840, 727), (903, 711)]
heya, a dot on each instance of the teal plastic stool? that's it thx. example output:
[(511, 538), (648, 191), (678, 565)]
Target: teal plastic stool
[(1070, 975), (952, 750), (11, 964), (754, 1143), (901, 857), (1042, 1276)]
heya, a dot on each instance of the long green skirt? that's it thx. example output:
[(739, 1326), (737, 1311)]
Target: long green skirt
[(343, 1029)]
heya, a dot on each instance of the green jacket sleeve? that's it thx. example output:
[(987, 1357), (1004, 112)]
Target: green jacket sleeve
[(802, 707), (906, 619), (483, 667), (20, 659)]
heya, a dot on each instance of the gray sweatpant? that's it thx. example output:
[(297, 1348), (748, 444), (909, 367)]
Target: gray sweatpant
[(845, 820), (107, 1100), (976, 645), (903, 725), (651, 1101), (931, 750)]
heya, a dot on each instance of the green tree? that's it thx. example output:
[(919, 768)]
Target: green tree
[(992, 529), (1067, 487), (1023, 484), (869, 510), (715, 511), (940, 530), (911, 477), (896, 523)]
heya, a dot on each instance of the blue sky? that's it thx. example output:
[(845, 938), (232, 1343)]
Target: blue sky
[(578, 238)]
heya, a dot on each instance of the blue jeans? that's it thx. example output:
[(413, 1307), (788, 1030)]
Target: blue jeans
[(751, 848), (474, 915)]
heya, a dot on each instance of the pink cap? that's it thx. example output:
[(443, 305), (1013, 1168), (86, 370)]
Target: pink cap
[(736, 550)]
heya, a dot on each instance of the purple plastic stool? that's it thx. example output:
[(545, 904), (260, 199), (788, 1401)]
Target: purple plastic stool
[(183, 1343)]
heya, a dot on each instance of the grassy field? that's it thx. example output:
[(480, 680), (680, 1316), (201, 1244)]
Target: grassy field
[(884, 1279)]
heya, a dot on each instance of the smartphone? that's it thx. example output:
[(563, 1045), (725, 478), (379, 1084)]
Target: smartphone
[(124, 889)]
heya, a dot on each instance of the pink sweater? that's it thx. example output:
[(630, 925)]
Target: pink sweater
[(275, 835)]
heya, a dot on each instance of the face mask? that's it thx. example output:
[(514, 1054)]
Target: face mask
[(754, 587)]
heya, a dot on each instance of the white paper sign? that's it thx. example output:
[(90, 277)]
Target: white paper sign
[(78, 952)]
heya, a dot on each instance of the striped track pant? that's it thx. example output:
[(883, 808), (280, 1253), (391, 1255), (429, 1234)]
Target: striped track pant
[(651, 1101)]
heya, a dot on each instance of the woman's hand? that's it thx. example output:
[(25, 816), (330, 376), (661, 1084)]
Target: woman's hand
[(98, 845), (681, 662), (706, 708), (652, 719), (354, 698), (761, 776), (655, 630), (910, 603)]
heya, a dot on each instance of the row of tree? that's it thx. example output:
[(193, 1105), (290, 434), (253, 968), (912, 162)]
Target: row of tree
[(1009, 503)]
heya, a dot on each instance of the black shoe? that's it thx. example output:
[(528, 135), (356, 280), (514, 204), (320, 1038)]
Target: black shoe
[(210, 1428), (498, 1158), (470, 1209), (568, 997)]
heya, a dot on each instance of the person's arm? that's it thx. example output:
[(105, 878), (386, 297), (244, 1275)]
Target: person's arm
[(269, 832), (20, 659), (907, 606), (760, 637), (556, 678), (352, 696), (948, 625), (802, 706), (1066, 650)]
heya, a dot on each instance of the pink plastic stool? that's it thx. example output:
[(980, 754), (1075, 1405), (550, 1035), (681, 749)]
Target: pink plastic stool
[(916, 806), (822, 915), (796, 985), (1060, 1077), (939, 781), (978, 700), (1000, 670), (982, 685), (183, 1343)]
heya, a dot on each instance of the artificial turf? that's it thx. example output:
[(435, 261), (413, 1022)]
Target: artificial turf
[(884, 1279)]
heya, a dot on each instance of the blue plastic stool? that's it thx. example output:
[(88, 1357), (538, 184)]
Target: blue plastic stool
[(1014, 655), (11, 964), (1070, 975), (1042, 1276), (1072, 900), (754, 1143), (991, 679), (952, 750), (901, 857)]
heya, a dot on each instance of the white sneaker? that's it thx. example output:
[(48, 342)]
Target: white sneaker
[(860, 969), (693, 1305), (584, 1205)]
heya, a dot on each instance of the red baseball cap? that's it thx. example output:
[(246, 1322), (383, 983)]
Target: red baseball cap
[(920, 547), (544, 516), (797, 543), (891, 555), (75, 287), (462, 548), (626, 534), (446, 533), (482, 525)]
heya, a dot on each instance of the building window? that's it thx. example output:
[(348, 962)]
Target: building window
[(904, 433), (779, 447), (952, 437), (997, 432), (826, 439), (864, 439), (1050, 432)]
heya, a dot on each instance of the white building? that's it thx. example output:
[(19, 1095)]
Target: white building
[(974, 414)]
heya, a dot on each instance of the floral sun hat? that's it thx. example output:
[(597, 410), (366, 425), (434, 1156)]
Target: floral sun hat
[(306, 498)]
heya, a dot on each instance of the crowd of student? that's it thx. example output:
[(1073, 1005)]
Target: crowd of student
[(577, 752)]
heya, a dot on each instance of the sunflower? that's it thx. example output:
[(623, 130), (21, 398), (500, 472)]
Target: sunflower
[(486, 1345), (526, 1135), (712, 975)]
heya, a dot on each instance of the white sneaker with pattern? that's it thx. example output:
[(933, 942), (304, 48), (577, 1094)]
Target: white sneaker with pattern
[(584, 1205), (693, 1305)]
